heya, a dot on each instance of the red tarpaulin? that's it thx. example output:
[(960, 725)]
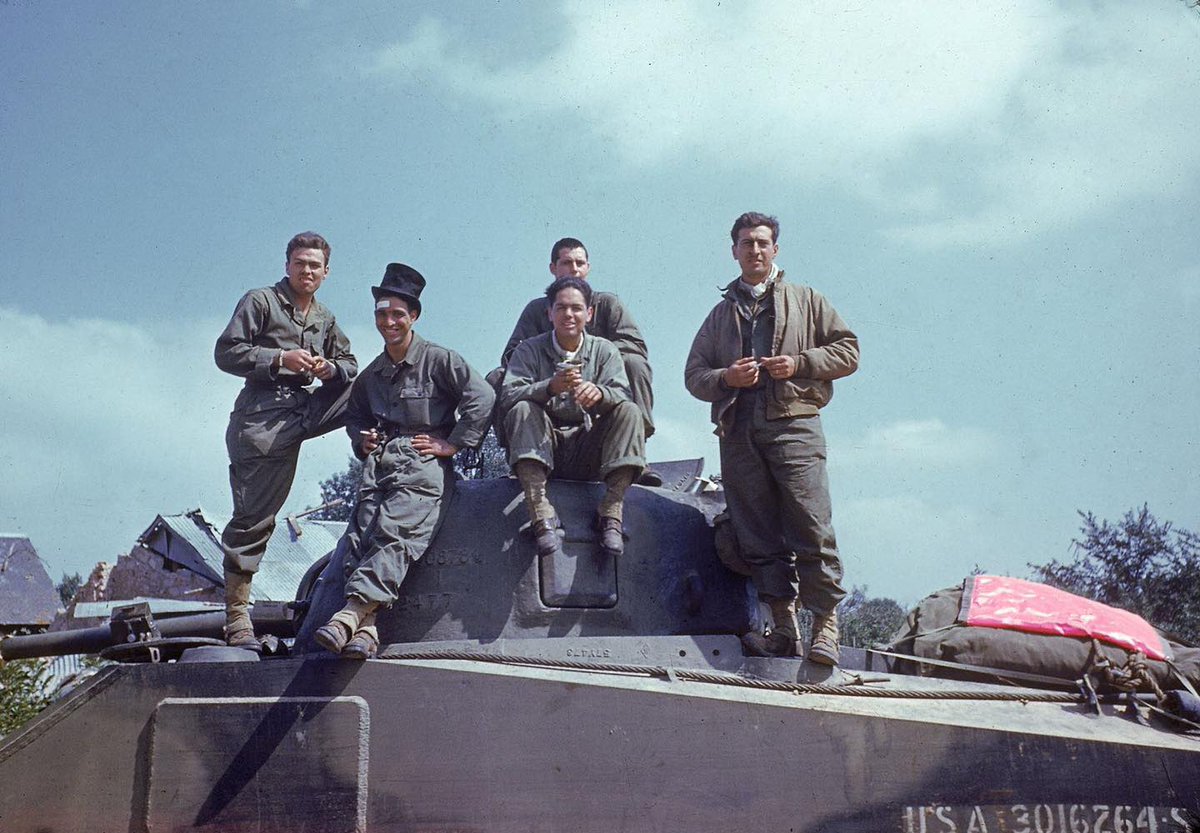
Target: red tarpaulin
[(1015, 604)]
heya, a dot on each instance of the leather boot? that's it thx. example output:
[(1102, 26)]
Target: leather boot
[(365, 642), (548, 536), (341, 627), (612, 536), (781, 641), (239, 630), (824, 648)]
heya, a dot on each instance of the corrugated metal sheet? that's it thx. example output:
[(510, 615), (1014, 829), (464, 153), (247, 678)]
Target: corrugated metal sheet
[(104, 610), (27, 594), (193, 540)]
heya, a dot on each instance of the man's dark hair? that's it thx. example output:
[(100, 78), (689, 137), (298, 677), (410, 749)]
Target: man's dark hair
[(565, 243), (307, 240), (753, 219), (569, 283)]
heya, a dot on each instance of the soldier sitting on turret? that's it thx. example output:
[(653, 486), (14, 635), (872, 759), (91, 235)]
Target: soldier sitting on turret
[(567, 410), (401, 421)]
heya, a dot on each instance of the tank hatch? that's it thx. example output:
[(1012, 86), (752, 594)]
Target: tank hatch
[(579, 576)]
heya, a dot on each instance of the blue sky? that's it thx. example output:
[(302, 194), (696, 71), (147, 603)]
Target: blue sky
[(998, 198)]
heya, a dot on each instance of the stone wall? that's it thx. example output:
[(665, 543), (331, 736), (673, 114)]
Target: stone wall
[(141, 573)]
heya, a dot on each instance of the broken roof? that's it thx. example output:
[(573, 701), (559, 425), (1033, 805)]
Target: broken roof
[(192, 540), (27, 593)]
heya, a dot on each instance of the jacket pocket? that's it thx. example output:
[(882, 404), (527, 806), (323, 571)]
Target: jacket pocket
[(800, 396), (412, 405)]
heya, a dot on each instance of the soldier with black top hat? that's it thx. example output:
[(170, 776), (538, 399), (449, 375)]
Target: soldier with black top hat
[(410, 411)]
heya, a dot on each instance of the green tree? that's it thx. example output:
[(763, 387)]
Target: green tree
[(340, 486), (1139, 564), (68, 587), (489, 460), (865, 621), (24, 691)]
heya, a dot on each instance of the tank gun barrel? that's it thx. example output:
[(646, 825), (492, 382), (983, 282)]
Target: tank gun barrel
[(135, 622)]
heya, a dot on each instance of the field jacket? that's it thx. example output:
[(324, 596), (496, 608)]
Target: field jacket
[(806, 327)]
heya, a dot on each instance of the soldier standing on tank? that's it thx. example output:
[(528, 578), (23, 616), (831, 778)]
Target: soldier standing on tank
[(281, 340), (567, 410), (410, 411), (611, 320), (766, 357)]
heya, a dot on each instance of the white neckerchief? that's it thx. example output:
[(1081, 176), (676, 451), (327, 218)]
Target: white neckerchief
[(757, 290)]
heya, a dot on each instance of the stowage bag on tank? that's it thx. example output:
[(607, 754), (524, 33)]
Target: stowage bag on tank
[(935, 629)]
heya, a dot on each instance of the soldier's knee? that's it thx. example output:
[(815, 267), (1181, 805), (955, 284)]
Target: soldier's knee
[(626, 410), (521, 412)]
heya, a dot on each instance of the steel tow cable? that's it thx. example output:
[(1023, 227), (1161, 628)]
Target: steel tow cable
[(851, 690)]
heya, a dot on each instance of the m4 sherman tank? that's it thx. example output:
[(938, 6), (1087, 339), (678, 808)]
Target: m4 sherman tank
[(514, 692)]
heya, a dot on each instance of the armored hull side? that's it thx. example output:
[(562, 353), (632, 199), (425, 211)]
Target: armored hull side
[(455, 745)]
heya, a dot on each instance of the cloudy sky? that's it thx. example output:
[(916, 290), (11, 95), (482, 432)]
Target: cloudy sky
[(999, 198)]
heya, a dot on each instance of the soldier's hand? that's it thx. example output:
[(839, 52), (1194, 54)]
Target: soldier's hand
[(324, 369), (370, 440), (426, 444), (742, 374), (565, 379), (298, 361), (587, 394), (780, 367)]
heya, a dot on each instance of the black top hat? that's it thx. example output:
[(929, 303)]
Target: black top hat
[(402, 281)]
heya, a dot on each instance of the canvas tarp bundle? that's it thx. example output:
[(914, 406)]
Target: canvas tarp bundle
[(1019, 605), (937, 629)]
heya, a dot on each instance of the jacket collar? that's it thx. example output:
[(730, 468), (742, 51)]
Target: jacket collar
[(284, 290), (416, 349), (729, 291), (579, 353)]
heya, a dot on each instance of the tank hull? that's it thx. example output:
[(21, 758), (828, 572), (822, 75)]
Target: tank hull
[(449, 745)]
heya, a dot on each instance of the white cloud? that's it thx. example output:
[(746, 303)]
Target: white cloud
[(659, 78), (919, 444), (104, 425), (974, 122), (1105, 116)]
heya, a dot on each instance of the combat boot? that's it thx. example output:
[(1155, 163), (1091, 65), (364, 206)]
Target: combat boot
[(548, 536), (824, 648), (239, 630), (342, 626), (612, 536), (365, 642), (781, 641)]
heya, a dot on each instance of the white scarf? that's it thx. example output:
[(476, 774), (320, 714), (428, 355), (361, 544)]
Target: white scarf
[(757, 290)]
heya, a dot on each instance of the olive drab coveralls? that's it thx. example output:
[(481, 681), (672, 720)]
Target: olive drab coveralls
[(611, 321), (772, 444), (403, 494), (554, 430), (276, 410)]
